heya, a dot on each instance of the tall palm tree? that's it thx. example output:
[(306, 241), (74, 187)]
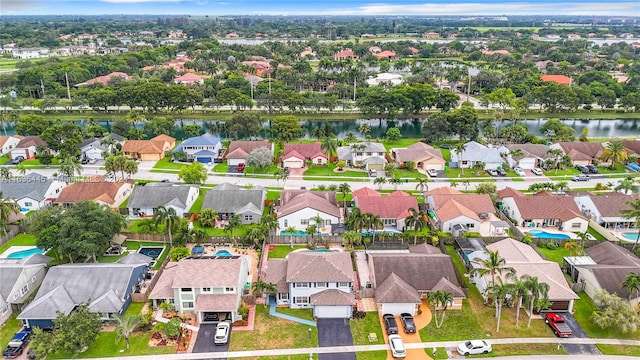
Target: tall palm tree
[(70, 165), (8, 206), (344, 188), (459, 149), (442, 299), (290, 230), (330, 146), (232, 225), (494, 265), (208, 217), (350, 237), (125, 325), (350, 137), (628, 185), (537, 290), (256, 235), (416, 219), (633, 213), (380, 181), (422, 185), (632, 284), (614, 152), (167, 217), (520, 292), (372, 222), (262, 288), (501, 293), (269, 223)]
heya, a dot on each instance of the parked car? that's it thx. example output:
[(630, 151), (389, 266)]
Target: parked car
[(286, 170), (240, 167), (221, 336), (537, 171), (407, 323), (472, 347), (446, 146), (580, 177), (558, 325), (592, 169), (390, 324), (17, 344), (492, 172), (17, 160), (432, 172), (519, 171), (501, 172), (373, 173), (583, 169), (397, 346)]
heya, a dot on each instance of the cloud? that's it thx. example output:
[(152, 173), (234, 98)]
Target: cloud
[(10, 6)]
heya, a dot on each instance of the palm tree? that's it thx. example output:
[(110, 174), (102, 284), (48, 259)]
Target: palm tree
[(627, 184), (350, 237), (262, 288), (290, 230), (494, 265), (330, 146), (8, 206), (70, 166), (256, 235), (417, 220), (22, 169), (561, 187), (355, 221), (208, 217), (349, 137), (364, 129), (459, 149), (422, 185), (632, 284), (167, 217), (633, 213), (344, 188), (372, 222), (232, 225), (380, 181), (125, 325), (583, 236), (5, 173), (440, 298), (614, 152), (501, 293), (269, 223), (312, 229), (537, 290), (395, 181), (520, 292), (573, 247)]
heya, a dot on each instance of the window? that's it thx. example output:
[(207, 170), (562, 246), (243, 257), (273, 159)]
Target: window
[(343, 284), (28, 204), (327, 222), (322, 285), (206, 289), (248, 218), (304, 221), (319, 161), (301, 285), (471, 225), (575, 225), (186, 289), (286, 223), (187, 304), (229, 289), (301, 300), (5, 310)]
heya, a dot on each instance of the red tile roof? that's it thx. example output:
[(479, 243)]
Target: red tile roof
[(294, 200), (548, 207), (560, 79), (309, 151), (246, 146), (477, 203), (387, 207), (104, 80), (365, 191), (509, 192)]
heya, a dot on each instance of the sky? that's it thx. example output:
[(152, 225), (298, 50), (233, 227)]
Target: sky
[(324, 7)]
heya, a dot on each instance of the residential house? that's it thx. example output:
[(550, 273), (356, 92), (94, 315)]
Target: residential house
[(105, 287), (533, 155), (386, 55), (298, 208), (475, 153), (431, 35), (29, 53), (229, 200), (94, 148), (18, 280), (544, 210), (321, 281), (145, 200), (105, 79), (610, 266), (526, 261), (423, 156), (392, 209), (204, 148), (153, 149), (239, 150), (111, 194), (384, 79), (403, 279), (190, 79), (559, 79), (368, 154), (210, 287), (346, 54), (581, 153), (8, 142), (27, 147), (32, 191), (295, 155), (605, 209), (470, 211), (632, 146)]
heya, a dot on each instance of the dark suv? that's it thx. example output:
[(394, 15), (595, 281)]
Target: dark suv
[(592, 169), (390, 324)]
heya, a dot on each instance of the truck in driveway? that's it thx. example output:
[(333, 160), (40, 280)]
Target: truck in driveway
[(558, 325), (17, 344)]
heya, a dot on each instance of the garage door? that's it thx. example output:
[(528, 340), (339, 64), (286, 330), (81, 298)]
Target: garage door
[(527, 163), (433, 166), (332, 311), (234, 162), (293, 164), (203, 160), (560, 306), (375, 166), (397, 309)]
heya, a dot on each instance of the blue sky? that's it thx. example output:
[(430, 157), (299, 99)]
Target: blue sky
[(325, 7)]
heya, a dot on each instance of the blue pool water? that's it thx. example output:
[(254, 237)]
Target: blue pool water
[(323, 250), (296, 233), (223, 253), (545, 235), (151, 251), (24, 253), (630, 235), (634, 166)]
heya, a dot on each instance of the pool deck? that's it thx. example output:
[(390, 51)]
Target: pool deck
[(13, 249), (550, 230)]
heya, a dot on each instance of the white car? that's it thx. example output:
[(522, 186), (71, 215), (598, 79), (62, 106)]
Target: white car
[(432, 172), (397, 346), (472, 347), (537, 171), (221, 336)]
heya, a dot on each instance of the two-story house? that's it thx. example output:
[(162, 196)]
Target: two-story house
[(204, 148), (18, 280), (32, 191), (299, 208), (322, 281), (371, 155), (210, 287)]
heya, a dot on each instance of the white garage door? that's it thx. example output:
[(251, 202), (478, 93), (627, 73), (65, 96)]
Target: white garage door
[(433, 166), (332, 311), (527, 163), (293, 163), (397, 309), (235, 162)]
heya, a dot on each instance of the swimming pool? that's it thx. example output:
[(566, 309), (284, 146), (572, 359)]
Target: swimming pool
[(545, 235), (295, 233), (223, 253), (24, 253), (151, 251), (630, 235)]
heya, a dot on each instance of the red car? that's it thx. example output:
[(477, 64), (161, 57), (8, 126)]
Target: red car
[(240, 167)]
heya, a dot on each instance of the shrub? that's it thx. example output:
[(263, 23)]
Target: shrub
[(551, 246), (240, 323)]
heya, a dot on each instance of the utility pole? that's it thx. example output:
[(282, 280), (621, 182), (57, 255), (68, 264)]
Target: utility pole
[(469, 85), (66, 76), (42, 87), (354, 89), (269, 74)]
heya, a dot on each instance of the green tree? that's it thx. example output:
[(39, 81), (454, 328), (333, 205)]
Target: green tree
[(614, 152), (502, 294), (486, 188), (613, 312), (417, 220), (464, 123), (393, 134), (364, 129), (168, 218), (537, 291), (494, 265), (631, 284), (76, 331), (633, 213), (159, 125), (380, 181), (8, 206), (244, 125), (260, 158), (256, 236), (69, 166), (5, 173), (42, 343), (31, 125), (344, 189), (125, 325), (330, 146), (179, 253), (286, 127), (459, 149), (208, 217), (64, 138), (422, 185), (233, 224), (440, 299), (195, 173)]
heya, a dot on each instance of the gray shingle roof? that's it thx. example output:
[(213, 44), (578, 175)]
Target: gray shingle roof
[(158, 194), (68, 285), (277, 274), (224, 199), (421, 271), (308, 266), (333, 297), (32, 185), (135, 258), (395, 290)]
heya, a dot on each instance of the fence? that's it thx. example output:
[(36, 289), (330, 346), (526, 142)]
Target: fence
[(144, 296), (304, 239), (602, 231), (11, 233)]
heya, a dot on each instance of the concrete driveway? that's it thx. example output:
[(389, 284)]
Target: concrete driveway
[(204, 341), (335, 332), (412, 354), (578, 332)]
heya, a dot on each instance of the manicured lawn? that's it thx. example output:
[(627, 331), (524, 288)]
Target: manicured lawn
[(412, 175), (606, 170), (446, 154), (361, 328), (453, 173), (197, 205), (519, 349), (11, 327), (221, 168), (554, 255), (306, 314), (401, 143), (558, 172), (328, 171), (21, 239), (134, 308), (106, 346), (273, 333), (595, 234), (250, 170), (281, 251), (372, 355), (626, 350), (124, 203), (273, 195), (166, 163), (4, 159), (583, 310)]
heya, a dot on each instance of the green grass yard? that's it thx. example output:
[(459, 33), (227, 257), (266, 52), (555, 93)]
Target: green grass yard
[(328, 171), (166, 163), (361, 328), (554, 255), (281, 251), (583, 310), (106, 346), (22, 239)]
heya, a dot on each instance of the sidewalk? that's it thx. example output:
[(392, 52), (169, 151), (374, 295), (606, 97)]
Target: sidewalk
[(272, 312)]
